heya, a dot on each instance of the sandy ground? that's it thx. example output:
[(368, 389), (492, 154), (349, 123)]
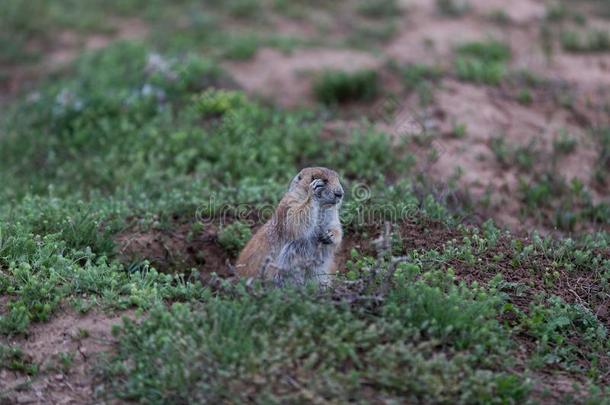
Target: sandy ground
[(83, 337)]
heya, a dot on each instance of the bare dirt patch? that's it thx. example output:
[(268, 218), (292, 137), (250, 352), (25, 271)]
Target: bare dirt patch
[(65, 350), (428, 39), (70, 43), (520, 11), (286, 78)]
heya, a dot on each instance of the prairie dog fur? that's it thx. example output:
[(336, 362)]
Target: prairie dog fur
[(299, 242)]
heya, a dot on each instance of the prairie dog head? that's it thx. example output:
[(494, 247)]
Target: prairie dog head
[(327, 190)]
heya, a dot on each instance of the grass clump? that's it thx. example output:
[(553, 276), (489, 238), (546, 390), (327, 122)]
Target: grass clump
[(379, 9), (482, 62), (565, 143), (219, 102), (234, 237), (592, 41), (416, 73), (308, 346), (241, 47), (334, 87), (422, 79), (452, 8), (13, 358)]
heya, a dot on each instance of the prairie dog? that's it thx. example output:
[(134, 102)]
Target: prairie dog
[(299, 242)]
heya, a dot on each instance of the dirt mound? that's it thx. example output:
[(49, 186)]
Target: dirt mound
[(178, 248)]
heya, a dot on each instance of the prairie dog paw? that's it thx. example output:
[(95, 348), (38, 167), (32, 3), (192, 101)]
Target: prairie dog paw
[(315, 186), (328, 237)]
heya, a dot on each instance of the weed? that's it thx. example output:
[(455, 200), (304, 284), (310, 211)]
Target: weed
[(414, 74), (333, 87), (554, 324), (459, 130), (593, 41), (379, 9), (525, 97), (214, 103), (452, 8), (500, 17), (421, 78), (234, 237), (565, 143), (227, 342), (242, 8), (13, 358), (241, 47), (367, 35), (482, 62)]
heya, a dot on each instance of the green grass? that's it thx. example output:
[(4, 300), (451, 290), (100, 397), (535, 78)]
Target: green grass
[(234, 237), (334, 87), (301, 345), (13, 358), (482, 62), (565, 143), (592, 41), (452, 8), (379, 9), (422, 79)]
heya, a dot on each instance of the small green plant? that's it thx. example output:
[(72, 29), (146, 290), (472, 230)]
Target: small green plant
[(555, 323), (482, 62), (334, 87), (556, 12), (525, 97), (242, 8), (218, 102), (592, 41), (13, 358), (500, 17), (241, 47), (525, 156), (367, 35), (379, 9), (415, 74), (64, 361), (500, 150), (234, 237), (452, 8), (537, 194), (565, 143), (459, 130), (421, 78)]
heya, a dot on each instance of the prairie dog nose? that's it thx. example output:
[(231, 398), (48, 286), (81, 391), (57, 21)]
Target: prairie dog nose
[(338, 193)]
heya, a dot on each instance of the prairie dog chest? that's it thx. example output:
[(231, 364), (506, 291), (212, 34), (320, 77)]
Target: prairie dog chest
[(328, 218)]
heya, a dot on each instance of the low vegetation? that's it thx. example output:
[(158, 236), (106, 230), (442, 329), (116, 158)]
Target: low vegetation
[(132, 178), (482, 62), (333, 87)]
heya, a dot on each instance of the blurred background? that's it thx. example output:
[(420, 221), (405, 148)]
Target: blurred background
[(505, 105)]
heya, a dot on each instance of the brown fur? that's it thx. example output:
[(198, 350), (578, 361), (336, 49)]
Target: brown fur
[(297, 217)]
